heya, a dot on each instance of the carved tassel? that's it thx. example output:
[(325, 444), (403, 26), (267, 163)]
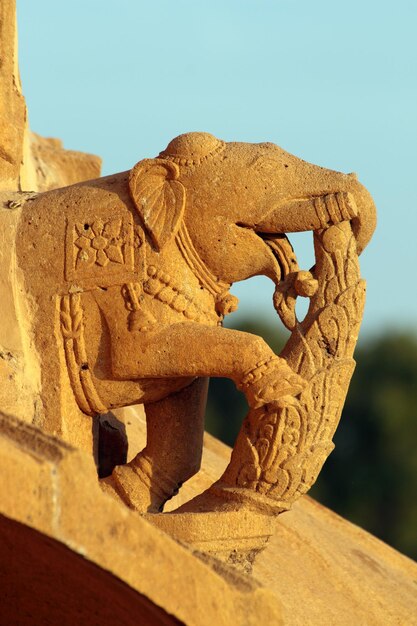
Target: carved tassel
[(138, 319)]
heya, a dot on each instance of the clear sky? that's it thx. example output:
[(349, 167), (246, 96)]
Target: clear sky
[(332, 82)]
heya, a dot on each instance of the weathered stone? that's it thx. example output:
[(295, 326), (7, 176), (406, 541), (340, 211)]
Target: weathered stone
[(27, 162), (49, 165), (316, 567), (114, 291), (128, 282), (13, 114), (59, 496)]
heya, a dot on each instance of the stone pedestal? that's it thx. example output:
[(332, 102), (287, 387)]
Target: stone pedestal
[(317, 568)]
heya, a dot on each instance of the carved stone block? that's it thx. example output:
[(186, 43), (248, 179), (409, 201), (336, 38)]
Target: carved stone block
[(128, 279)]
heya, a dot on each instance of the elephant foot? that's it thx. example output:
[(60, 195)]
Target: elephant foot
[(140, 486), (129, 491), (108, 486)]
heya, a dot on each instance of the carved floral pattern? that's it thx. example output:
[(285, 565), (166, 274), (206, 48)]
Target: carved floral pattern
[(99, 243), (282, 446)]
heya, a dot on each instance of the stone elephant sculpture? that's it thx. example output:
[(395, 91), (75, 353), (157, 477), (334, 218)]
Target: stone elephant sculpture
[(129, 279)]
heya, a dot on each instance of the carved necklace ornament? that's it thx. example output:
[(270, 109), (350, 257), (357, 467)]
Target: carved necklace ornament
[(161, 286), (139, 320), (225, 302)]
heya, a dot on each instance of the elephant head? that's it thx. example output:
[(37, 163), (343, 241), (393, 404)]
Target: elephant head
[(237, 198)]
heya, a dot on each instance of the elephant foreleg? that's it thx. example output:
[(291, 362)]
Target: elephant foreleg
[(191, 350), (175, 424), (175, 427)]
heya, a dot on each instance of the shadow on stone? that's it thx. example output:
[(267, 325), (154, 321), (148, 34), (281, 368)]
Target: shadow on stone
[(112, 444), (43, 582)]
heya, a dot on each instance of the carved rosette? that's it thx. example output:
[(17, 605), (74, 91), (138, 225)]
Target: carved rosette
[(282, 446)]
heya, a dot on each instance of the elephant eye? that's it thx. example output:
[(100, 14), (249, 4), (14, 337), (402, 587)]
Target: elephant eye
[(265, 165)]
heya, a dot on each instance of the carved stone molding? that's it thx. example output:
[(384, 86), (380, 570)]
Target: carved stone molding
[(282, 447)]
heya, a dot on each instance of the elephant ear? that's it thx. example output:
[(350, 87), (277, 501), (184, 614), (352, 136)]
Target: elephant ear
[(159, 198)]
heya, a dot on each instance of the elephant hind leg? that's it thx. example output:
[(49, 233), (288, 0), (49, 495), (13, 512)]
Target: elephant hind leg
[(175, 427)]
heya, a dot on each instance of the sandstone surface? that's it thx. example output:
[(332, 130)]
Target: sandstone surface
[(91, 323), (317, 567)]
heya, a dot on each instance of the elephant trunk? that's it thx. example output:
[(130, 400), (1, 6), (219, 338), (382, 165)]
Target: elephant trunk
[(339, 198), (364, 224)]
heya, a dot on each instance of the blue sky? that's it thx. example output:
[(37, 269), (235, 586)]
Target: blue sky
[(334, 83)]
